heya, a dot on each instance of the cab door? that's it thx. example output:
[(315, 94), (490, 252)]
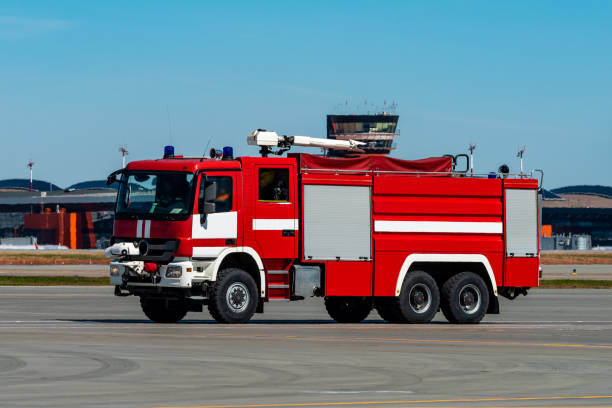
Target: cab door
[(275, 224), (214, 232)]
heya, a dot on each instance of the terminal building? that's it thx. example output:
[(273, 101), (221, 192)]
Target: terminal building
[(80, 216), (577, 217)]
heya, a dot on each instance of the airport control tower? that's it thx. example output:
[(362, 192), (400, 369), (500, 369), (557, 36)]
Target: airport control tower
[(376, 130)]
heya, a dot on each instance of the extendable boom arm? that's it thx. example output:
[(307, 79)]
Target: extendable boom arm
[(267, 139)]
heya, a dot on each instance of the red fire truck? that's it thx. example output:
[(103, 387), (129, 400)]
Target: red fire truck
[(408, 238)]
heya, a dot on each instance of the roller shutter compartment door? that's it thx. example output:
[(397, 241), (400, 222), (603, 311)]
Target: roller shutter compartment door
[(337, 222), (521, 223)]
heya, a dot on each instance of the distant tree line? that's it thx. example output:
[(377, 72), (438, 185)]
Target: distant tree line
[(584, 189)]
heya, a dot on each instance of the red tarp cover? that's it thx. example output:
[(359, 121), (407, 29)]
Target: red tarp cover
[(371, 162)]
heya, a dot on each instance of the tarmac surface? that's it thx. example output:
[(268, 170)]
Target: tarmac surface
[(577, 271), (83, 347), (601, 271)]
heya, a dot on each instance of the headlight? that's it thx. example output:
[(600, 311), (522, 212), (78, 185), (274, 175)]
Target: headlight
[(114, 270), (174, 271)]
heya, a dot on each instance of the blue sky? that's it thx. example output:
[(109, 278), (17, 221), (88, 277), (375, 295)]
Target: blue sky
[(77, 79)]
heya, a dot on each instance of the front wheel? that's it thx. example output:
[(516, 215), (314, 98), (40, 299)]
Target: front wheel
[(465, 298), (234, 297), (349, 309), (162, 310)]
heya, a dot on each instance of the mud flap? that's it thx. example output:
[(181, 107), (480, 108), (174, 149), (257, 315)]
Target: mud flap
[(260, 306), (493, 305)]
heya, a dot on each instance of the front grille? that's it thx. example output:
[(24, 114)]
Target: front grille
[(157, 250)]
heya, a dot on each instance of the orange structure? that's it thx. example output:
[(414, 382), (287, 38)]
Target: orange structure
[(74, 230)]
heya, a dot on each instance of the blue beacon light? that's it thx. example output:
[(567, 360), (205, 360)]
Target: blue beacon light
[(168, 151), (228, 153)]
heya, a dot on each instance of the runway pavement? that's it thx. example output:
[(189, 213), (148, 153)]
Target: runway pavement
[(83, 347), (577, 271)]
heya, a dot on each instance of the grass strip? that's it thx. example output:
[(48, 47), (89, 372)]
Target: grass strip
[(575, 257), (52, 257), (575, 284), (52, 281)]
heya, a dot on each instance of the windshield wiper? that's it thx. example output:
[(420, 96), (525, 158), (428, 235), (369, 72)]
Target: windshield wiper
[(130, 216)]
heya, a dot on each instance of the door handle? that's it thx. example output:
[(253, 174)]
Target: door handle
[(288, 233)]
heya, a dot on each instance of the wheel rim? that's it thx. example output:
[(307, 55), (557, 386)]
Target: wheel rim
[(470, 299), (237, 297), (420, 298)]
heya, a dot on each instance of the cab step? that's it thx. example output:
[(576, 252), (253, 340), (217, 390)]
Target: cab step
[(278, 285)]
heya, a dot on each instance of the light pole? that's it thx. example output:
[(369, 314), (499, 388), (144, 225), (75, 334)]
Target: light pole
[(124, 152), (30, 165)]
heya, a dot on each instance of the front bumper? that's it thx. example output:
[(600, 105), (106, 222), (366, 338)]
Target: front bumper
[(130, 274)]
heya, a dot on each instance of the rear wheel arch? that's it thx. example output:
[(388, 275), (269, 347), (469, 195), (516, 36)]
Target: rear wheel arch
[(443, 271), (443, 266)]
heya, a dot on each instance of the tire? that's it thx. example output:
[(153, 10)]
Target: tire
[(418, 301), (348, 309), (388, 311), (419, 298), (465, 298), (162, 311), (234, 296)]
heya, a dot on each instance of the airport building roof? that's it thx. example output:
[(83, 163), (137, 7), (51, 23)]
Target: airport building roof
[(578, 201)]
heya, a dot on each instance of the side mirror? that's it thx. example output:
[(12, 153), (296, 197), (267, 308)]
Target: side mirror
[(207, 199), (112, 178)]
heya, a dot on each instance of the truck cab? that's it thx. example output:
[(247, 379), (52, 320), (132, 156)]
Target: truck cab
[(181, 221)]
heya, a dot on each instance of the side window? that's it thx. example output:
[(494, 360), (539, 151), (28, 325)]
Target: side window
[(274, 185), (225, 195)]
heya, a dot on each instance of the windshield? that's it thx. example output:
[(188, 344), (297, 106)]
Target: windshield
[(164, 195)]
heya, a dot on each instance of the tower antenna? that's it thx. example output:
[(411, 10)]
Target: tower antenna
[(124, 152), (207, 144)]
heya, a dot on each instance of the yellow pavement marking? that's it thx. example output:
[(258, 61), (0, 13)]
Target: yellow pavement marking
[(411, 402), (508, 406)]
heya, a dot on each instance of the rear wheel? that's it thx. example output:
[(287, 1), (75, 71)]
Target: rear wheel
[(349, 309), (465, 298), (417, 302), (419, 299), (233, 298), (162, 310)]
